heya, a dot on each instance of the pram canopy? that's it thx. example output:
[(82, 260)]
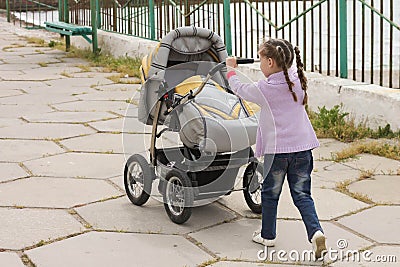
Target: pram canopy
[(215, 120)]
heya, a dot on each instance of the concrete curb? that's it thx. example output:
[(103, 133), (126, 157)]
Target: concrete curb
[(365, 102)]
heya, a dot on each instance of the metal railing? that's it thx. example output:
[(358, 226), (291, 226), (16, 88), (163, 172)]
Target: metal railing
[(359, 39)]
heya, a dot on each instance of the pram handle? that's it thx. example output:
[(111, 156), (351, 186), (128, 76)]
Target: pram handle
[(245, 60), (211, 73)]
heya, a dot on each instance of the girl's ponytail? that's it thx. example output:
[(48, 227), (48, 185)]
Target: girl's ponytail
[(302, 77), (283, 64)]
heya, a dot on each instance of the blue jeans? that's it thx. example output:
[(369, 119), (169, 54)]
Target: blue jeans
[(297, 166)]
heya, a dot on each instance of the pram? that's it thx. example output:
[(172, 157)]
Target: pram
[(185, 91)]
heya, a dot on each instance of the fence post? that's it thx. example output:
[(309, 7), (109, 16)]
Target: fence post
[(8, 10), (152, 20), (343, 38), (93, 11), (98, 14), (227, 26), (66, 20)]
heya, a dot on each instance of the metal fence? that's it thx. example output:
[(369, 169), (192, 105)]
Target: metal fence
[(359, 39)]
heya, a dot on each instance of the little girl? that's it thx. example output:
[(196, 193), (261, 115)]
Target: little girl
[(286, 143)]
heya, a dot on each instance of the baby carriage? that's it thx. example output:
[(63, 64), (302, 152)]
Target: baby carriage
[(184, 90)]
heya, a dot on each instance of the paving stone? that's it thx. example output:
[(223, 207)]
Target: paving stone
[(32, 59), (7, 122), (10, 260), (25, 227), (327, 149), (106, 96), (121, 214), (39, 74), (380, 188), (379, 223), (11, 171), (376, 164), (91, 106), (234, 239), (119, 87), (36, 99), (120, 125), (8, 92), (83, 165), (70, 117), (380, 256), (11, 75), (46, 192), (30, 50), (22, 150), (25, 85), (117, 249), (326, 209), (17, 111), (331, 174), (14, 67), (68, 92), (44, 131), (77, 82), (119, 181), (109, 143)]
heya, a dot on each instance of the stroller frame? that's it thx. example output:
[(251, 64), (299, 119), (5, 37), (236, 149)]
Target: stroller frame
[(186, 175)]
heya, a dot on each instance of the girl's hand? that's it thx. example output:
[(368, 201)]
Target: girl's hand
[(231, 62)]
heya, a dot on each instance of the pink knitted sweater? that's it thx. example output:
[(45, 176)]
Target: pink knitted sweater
[(284, 126)]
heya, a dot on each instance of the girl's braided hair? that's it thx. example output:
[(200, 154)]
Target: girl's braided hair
[(283, 53)]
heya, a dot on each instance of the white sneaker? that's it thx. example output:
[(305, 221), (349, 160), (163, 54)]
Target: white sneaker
[(266, 242), (319, 246)]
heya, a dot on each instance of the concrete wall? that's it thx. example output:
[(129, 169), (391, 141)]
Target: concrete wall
[(378, 105)]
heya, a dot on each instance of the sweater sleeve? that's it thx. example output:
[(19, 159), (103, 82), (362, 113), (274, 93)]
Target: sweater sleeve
[(248, 91)]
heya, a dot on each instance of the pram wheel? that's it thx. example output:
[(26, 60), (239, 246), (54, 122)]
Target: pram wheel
[(178, 196), (138, 178), (252, 183)]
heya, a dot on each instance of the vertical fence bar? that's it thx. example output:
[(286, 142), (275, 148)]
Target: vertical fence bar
[(328, 11), (290, 17), (362, 43), (227, 26), (391, 47), (8, 10), (304, 37), (320, 38), (372, 44), (354, 40), (98, 9), (66, 20), (152, 20), (381, 49), (93, 9), (312, 36), (343, 38)]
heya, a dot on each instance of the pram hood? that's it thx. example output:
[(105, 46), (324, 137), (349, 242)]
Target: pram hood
[(215, 120), (185, 44)]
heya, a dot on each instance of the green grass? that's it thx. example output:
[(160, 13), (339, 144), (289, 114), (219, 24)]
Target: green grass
[(123, 65), (379, 148), (337, 124)]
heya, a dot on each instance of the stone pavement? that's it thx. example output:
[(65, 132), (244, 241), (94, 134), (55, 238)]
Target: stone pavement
[(62, 201)]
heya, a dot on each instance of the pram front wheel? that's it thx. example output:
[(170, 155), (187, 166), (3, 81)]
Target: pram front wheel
[(178, 196), (138, 178), (252, 184)]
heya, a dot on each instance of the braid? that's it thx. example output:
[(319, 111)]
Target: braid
[(302, 77), (282, 63)]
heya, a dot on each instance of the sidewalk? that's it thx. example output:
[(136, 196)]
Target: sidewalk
[(62, 201)]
